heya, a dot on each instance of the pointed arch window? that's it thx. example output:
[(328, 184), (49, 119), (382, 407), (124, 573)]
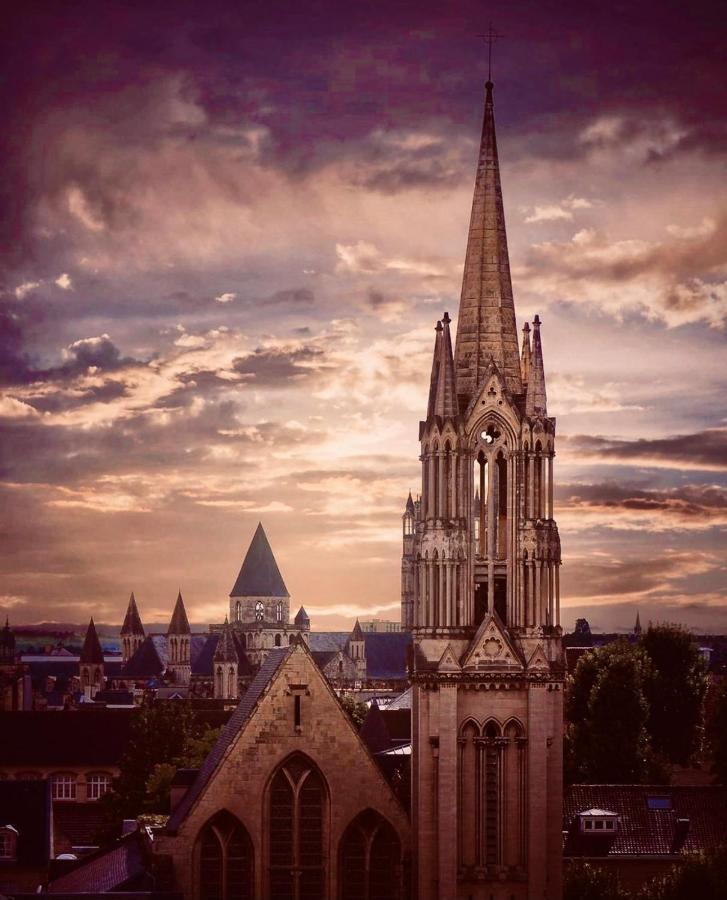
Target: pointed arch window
[(279, 611), (259, 611), (225, 860), (297, 810), (370, 855), (238, 611)]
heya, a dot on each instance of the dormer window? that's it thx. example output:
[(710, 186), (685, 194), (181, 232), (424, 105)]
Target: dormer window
[(598, 822), (8, 843)]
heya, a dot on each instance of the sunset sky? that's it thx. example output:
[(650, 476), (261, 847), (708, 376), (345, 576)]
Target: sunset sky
[(228, 232)]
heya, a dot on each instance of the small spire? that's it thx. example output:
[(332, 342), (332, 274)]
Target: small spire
[(302, 620), (179, 623), (132, 620), (435, 369), (91, 652), (409, 508), (525, 355), (637, 626), (535, 401), (357, 633), (225, 651)]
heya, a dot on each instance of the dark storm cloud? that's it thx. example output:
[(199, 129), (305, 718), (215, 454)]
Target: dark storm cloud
[(705, 449), (687, 503), (280, 367)]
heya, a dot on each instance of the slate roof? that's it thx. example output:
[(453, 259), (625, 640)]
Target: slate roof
[(203, 659), (386, 652), (91, 652), (259, 575), (26, 805), (94, 737), (146, 662), (121, 865), (237, 721), (302, 619), (403, 701), (79, 823), (132, 621), (643, 831), (179, 623)]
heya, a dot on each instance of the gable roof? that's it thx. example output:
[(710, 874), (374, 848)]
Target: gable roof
[(259, 575), (121, 865), (386, 652), (146, 662), (242, 713), (642, 830)]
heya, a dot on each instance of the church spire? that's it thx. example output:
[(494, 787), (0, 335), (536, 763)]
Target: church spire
[(443, 396), (535, 402), (132, 621), (486, 327), (179, 623)]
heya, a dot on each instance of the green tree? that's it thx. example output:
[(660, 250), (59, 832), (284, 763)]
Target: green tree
[(700, 876), (717, 731), (356, 709), (607, 712), (160, 733), (675, 692), (158, 784), (584, 881)]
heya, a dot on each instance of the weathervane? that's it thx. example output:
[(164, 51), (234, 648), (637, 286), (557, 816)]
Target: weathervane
[(490, 39)]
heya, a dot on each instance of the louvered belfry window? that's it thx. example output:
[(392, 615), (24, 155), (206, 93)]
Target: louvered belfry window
[(297, 807), (370, 857), (225, 860)]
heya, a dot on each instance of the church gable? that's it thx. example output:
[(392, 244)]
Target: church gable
[(538, 660), (492, 649), (449, 661), (289, 709)]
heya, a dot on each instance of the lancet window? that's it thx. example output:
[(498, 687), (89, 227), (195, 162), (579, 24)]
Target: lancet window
[(370, 854), (297, 808), (491, 796), (224, 860)]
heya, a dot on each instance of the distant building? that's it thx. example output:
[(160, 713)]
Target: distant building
[(379, 626)]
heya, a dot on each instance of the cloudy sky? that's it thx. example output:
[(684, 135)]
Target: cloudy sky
[(228, 231)]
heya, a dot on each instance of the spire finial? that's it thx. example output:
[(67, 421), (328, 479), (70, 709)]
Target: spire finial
[(489, 39)]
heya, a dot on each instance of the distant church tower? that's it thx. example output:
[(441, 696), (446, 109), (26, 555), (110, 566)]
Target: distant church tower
[(260, 603), (91, 664), (225, 663), (480, 593), (179, 644), (132, 631)]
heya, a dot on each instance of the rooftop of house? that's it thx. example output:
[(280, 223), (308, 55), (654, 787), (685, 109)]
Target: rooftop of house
[(653, 820)]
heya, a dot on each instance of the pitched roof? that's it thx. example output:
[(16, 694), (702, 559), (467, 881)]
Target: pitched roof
[(132, 621), (259, 575), (225, 651), (643, 829), (79, 823), (302, 619), (91, 652), (486, 326), (179, 623), (386, 652), (238, 719), (121, 865), (26, 805), (146, 662)]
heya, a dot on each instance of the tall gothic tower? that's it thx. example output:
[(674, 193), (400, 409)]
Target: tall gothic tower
[(480, 593)]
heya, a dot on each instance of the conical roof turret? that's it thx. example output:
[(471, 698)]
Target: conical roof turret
[(536, 401), (259, 575), (302, 620), (91, 651), (409, 509), (357, 633), (132, 620), (486, 327), (179, 623)]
